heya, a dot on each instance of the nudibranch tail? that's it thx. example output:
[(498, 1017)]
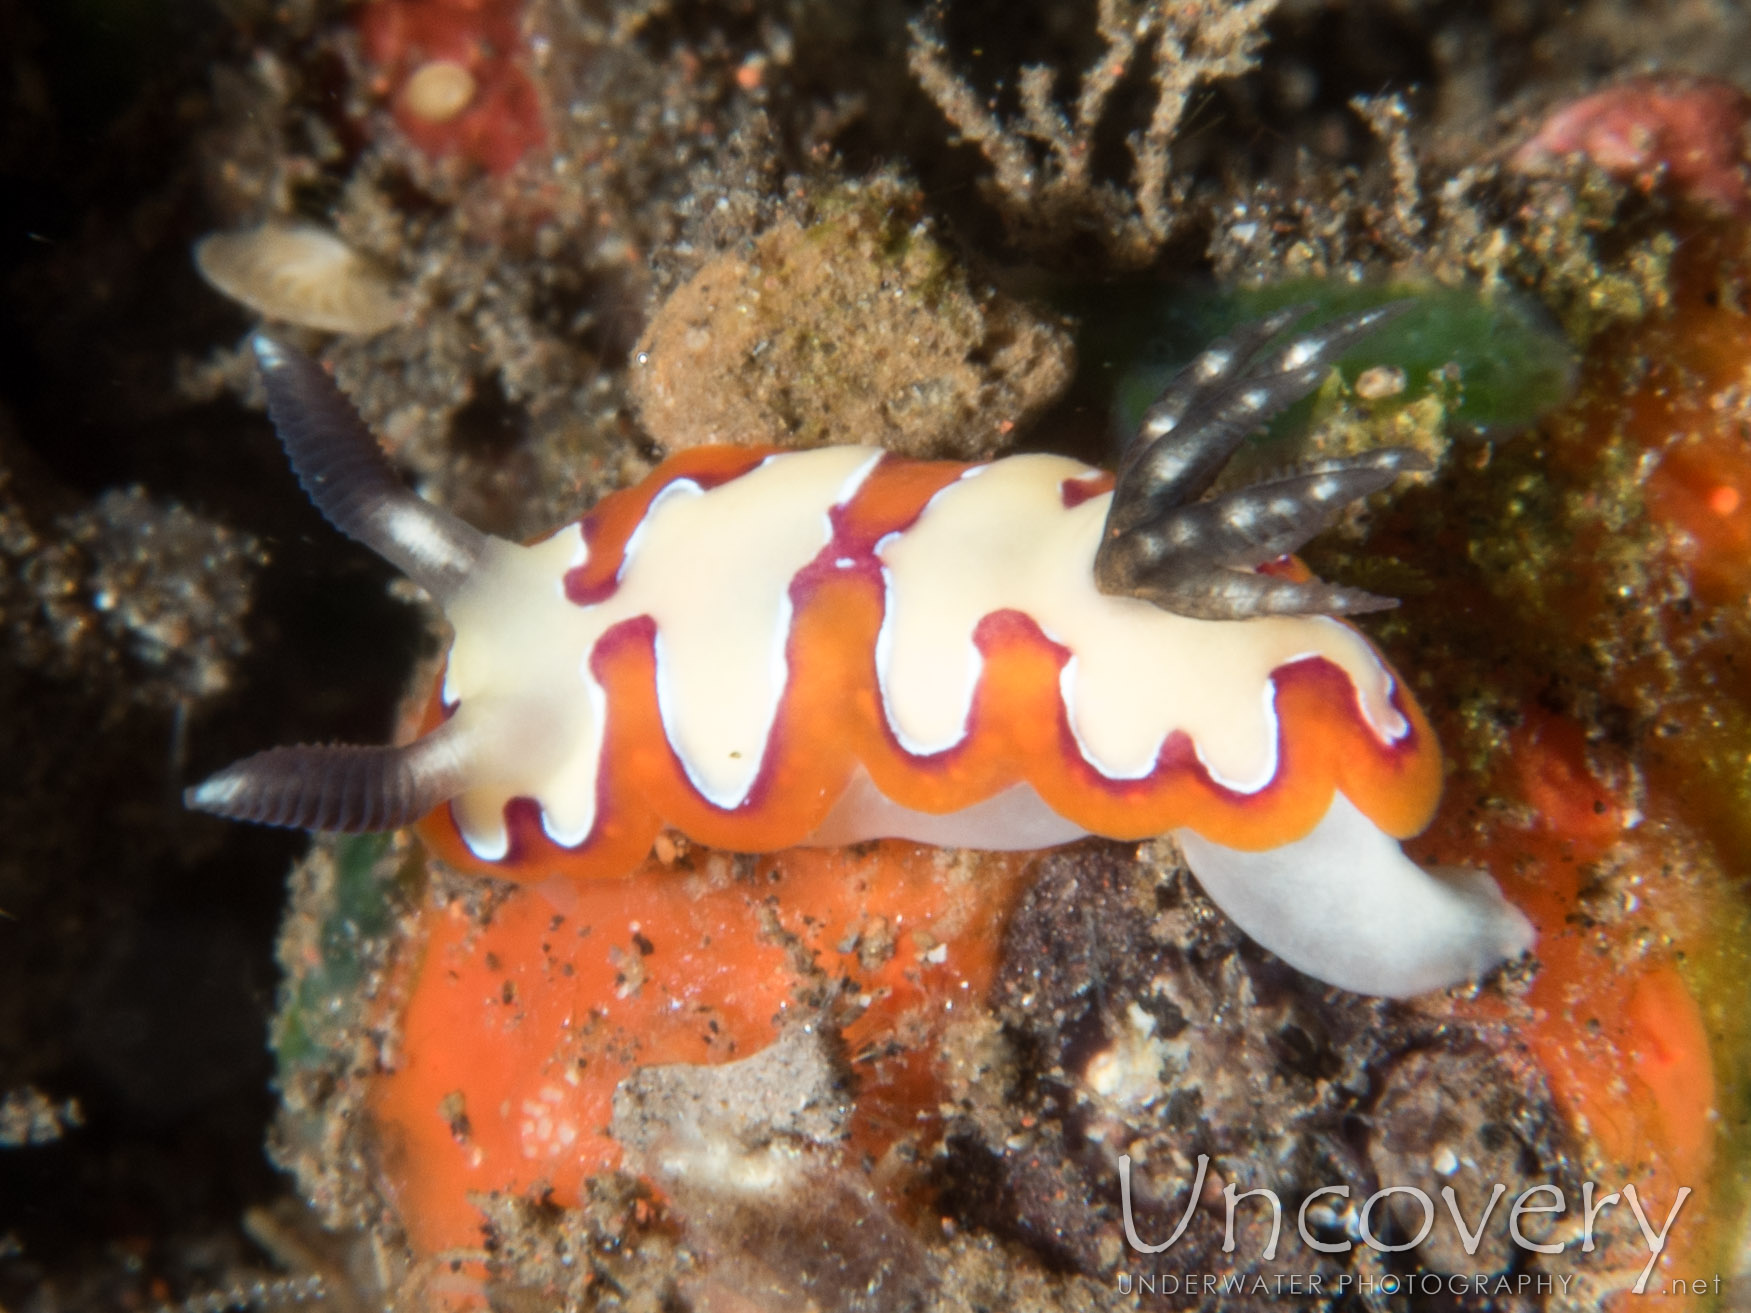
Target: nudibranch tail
[(1195, 558), (346, 474), (1345, 905), (339, 787)]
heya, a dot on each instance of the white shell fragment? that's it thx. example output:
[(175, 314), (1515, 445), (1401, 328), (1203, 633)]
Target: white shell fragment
[(300, 274)]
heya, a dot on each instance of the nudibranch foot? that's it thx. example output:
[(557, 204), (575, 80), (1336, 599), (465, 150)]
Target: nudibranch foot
[(1015, 820), (1345, 905), (1196, 558)]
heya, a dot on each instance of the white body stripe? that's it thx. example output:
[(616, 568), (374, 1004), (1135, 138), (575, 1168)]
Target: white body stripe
[(713, 570), (1006, 541)]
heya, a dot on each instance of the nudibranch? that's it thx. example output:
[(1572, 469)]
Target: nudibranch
[(765, 649)]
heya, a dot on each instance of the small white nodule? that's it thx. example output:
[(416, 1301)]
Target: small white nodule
[(1345, 905)]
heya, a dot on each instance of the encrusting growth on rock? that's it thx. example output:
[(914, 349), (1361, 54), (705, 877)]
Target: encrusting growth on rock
[(858, 326)]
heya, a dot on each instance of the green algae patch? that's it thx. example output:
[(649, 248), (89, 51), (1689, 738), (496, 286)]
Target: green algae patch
[(1495, 363), (332, 943)]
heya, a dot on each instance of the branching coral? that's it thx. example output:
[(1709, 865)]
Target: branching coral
[(1044, 179)]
